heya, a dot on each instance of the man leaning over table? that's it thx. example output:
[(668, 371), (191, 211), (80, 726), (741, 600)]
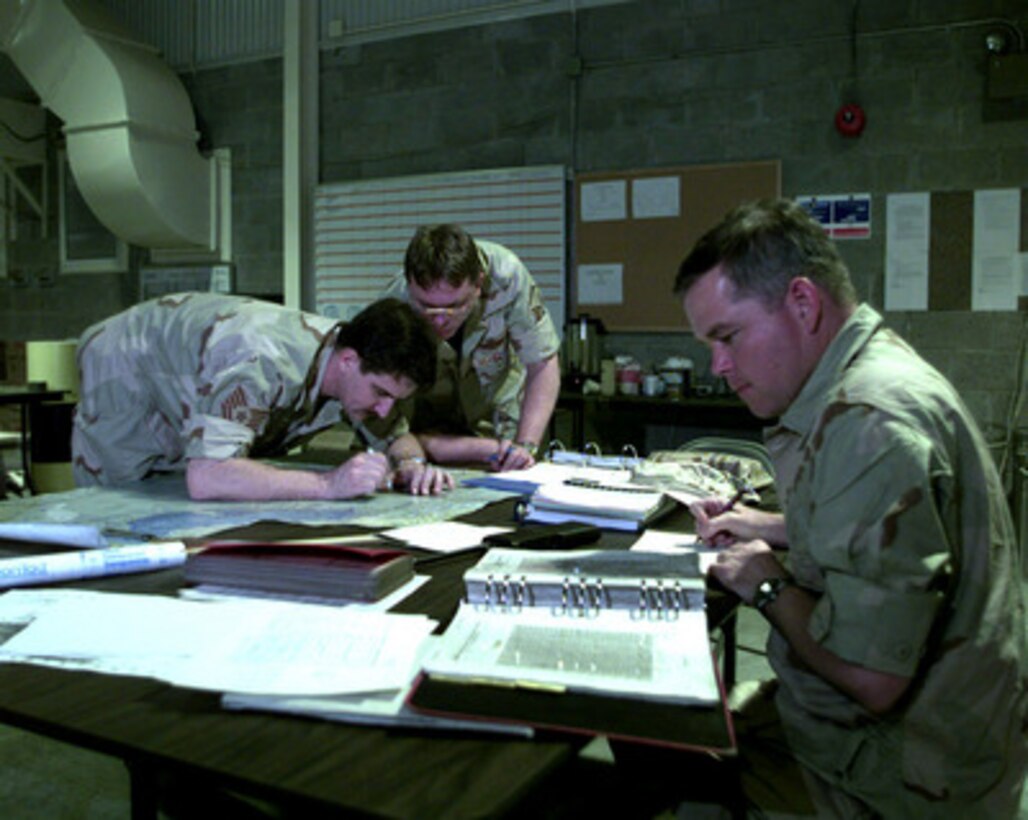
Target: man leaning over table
[(209, 383), (499, 375), (891, 581)]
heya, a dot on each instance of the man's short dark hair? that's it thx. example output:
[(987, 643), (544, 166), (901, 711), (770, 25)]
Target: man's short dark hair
[(441, 253), (394, 339), (762, 246)]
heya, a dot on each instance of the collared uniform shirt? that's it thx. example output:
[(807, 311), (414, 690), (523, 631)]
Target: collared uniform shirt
[(509, 327), (198, 375), (896, 519)]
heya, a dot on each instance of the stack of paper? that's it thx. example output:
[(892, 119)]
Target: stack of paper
[(610, 506)]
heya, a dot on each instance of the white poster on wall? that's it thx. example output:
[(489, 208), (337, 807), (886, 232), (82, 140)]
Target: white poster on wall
[(656, 197), (995, 259), (600, 284), (604, 201), (907, 226)]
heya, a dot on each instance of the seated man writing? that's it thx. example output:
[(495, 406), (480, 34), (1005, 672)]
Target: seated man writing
[(897, 621), (209, 383)]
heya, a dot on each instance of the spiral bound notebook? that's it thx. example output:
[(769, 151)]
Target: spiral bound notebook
[(544, 639)]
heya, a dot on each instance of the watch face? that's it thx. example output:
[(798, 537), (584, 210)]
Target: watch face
[(767, 591)]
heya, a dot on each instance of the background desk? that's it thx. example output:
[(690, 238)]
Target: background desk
[(26, 396), (648, 423), (309, 767)]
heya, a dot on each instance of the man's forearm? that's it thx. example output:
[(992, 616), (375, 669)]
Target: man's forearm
[(542, 386), (242, 479), (405, 448), (790, 614), (448, 449)]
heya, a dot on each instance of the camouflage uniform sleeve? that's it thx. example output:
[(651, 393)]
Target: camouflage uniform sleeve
[(230, 413), (878, 526), (529, 324)]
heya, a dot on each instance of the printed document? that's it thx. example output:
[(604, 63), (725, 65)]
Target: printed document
[(609, 651), (250, 646)]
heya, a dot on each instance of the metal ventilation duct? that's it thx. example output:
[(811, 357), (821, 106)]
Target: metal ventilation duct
[(129, 124)]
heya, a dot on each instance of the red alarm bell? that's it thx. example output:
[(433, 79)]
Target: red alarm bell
[(850, 120)]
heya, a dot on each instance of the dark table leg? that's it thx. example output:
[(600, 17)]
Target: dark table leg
[(142, 791), (30, 485), (728, 631)]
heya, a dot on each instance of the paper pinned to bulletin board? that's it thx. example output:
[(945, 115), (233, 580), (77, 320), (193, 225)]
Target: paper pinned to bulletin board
[(633, 228)]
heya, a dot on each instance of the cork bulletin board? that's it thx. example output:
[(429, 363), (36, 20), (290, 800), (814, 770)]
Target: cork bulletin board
[(633, 228)]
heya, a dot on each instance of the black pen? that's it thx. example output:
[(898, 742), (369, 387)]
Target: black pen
[(735, 499)]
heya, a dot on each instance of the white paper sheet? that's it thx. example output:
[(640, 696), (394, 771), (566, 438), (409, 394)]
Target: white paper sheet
[(387, 708), (602, 201), (614, 651), (908, 220), (656, 197), (241, 646), (676, 543), (443, 536), (601, 284), (995, 266)]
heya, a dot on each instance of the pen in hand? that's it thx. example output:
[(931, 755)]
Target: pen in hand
[(713, 539), (735, 499)]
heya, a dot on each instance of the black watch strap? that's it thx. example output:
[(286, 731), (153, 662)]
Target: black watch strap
[(768, 591)]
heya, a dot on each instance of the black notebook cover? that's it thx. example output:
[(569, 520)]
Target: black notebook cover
[(706, 729)]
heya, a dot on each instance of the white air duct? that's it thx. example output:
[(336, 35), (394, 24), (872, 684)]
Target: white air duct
[(131, 137)]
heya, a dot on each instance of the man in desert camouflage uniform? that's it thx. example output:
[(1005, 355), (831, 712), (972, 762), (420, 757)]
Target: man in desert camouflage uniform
[(499, 374), (898, 627), (209, 383)]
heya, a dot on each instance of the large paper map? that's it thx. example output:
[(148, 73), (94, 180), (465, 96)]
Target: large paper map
[(160, 507)]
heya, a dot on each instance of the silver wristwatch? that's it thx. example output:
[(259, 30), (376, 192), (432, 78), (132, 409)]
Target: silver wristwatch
[(530, 446), (768, 591)]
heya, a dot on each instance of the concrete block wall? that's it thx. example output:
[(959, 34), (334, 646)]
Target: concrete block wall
[(700, 81), (240, 107)]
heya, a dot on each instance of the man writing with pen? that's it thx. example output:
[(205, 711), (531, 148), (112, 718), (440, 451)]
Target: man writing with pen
[(499, 374), (211, 384), (890, 580)]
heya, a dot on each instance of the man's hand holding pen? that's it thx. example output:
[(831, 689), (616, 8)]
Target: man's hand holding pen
[(722, 523), (714, 519), (510, 455)]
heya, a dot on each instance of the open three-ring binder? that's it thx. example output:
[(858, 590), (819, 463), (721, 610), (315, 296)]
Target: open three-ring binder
[(606, 642)]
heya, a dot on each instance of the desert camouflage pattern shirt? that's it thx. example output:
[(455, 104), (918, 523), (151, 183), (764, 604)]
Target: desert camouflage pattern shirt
[(198, 375), (897, 520), (509, 327)]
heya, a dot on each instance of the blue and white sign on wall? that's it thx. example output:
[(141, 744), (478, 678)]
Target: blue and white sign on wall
[(843, 216)]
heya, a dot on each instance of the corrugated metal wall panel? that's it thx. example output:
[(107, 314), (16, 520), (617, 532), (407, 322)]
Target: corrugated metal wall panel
[(166, 24), (363, 15), (232, 30), (202, 33)]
